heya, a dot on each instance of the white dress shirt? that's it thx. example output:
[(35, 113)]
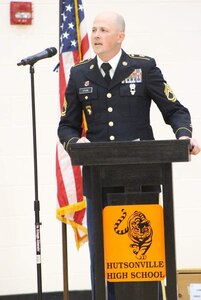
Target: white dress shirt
[(113, 62)]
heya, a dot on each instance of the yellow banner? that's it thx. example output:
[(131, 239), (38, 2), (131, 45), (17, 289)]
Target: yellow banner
[(134, 243)]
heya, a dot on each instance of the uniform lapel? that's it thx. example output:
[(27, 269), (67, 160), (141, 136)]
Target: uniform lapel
[(123, 70), (94, 73)]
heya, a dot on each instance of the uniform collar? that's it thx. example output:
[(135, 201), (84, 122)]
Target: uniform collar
[(113, 62), (123, 69)]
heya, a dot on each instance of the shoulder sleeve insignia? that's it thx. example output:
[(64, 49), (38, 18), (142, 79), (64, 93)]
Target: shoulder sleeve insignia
[(63, 113), (138, 56), (169, 93)]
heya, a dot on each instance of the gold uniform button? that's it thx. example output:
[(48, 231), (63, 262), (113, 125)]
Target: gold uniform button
[(109, 95), (112, 138), (110, 109), (86, 97), (111, 123)]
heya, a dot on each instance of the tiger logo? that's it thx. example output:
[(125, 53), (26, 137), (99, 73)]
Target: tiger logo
[(139, 230)]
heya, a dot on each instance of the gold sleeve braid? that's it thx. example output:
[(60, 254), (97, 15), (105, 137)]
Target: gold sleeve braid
[(66, 144)]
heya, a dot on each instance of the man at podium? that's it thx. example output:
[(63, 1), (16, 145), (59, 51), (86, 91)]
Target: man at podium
[(111, 94)]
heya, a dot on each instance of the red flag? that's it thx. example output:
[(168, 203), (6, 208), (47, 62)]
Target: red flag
[(74, 47)]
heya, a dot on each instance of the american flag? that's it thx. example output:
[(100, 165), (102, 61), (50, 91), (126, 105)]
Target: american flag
[(74, 47)]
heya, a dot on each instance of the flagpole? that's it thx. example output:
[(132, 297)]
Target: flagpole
[(77, 22), (63, 225), (65, 261)]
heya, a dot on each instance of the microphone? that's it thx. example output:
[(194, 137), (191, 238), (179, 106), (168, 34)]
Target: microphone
[(30, 60)]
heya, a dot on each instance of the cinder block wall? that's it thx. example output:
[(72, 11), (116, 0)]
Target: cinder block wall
[(166, 30)]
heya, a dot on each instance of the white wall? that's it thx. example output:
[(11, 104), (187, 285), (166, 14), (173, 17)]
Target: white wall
[(167, 30)]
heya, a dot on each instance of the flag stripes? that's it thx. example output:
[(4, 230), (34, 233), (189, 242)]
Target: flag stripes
[(74, 46)]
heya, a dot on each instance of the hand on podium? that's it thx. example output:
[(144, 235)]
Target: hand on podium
[(83, 140), (195, 147)]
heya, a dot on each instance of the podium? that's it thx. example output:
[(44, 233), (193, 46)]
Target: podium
[(125, 173)]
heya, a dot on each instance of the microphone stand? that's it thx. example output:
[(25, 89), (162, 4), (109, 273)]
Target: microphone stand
[(36, 202), (31, 61), (37, 205)]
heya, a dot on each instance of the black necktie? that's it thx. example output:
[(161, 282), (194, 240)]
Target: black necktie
[(106, 68)]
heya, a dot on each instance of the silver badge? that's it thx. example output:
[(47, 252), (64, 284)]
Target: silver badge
[(86, 83), (132, 88)]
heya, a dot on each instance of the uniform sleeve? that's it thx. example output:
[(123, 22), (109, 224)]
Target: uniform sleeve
[(70, 125), (174, 113)]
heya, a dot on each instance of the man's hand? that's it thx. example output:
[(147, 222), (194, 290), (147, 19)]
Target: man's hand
[(83, 140), (195, 147)]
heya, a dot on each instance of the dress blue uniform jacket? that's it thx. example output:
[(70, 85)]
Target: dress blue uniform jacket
[(120, 111)]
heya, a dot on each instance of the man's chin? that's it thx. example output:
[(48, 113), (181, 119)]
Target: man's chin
[(98, 49)]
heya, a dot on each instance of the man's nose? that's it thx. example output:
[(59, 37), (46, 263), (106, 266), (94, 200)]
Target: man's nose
[(97, 34)]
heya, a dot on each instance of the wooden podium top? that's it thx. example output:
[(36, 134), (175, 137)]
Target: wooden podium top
[(134, 152)]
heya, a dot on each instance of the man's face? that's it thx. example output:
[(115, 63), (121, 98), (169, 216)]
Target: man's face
[(105, 38)]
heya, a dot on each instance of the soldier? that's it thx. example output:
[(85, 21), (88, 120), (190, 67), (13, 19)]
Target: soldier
[(114, 90)]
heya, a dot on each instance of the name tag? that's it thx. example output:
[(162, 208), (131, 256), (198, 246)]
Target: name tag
[(85, 90)]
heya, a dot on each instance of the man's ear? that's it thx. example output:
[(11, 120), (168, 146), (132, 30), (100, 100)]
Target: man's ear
[(121, 36)]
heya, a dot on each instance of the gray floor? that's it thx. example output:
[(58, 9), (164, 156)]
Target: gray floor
[(73, 295)]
